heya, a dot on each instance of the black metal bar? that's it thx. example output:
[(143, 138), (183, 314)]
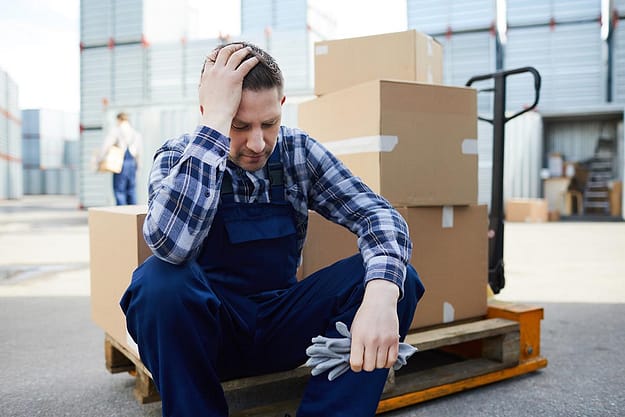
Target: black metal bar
[(496, 278)]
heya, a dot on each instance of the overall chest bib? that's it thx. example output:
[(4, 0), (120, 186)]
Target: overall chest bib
[(252, 247)]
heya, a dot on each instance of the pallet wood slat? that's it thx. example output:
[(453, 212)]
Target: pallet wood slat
[(432, 339), (451, 358)]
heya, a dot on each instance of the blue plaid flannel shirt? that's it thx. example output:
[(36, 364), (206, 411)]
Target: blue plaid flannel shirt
[(185, 184)]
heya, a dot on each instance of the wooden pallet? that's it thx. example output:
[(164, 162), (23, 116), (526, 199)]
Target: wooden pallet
[(451, 358)]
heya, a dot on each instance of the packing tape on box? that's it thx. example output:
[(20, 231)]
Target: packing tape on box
[(448, 312), (362, 144), (321, 50), (447, 217), (469, 146)]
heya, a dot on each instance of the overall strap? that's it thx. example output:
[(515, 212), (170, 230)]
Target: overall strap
[(274, 172), (227, 192)]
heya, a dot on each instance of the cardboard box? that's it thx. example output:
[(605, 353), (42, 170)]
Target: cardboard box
[(527, 210), (408, 55), (616, 198), (554, 190), (415, 144), (450, 253), (116, 248)]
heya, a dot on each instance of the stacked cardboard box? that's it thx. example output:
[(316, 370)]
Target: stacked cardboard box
[(116, 249), (415, 143)]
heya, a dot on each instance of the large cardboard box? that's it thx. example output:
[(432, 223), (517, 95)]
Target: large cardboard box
[(450, 253), (408, 55), (116, 248), (415, 144), (530, 210)]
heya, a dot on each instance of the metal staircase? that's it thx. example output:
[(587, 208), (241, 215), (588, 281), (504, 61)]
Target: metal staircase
[(597, 191)]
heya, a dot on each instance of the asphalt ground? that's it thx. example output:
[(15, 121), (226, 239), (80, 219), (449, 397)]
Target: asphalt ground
[(52, 360)]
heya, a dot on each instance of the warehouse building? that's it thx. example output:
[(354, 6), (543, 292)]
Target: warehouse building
[(132, 61)]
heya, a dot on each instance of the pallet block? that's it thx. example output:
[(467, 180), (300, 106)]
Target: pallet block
[(451, 358)]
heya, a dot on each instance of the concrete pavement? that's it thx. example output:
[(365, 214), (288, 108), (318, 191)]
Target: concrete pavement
[(52, 353)]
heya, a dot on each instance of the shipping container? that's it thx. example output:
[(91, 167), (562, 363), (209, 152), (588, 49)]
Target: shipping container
[(132, 21), (569, 59), (96, 88), (466, 55), (618, 61), (129, 75), (10, 140), (530, 12), (165, 68), (96, 22), (439, 17), (281, 15)]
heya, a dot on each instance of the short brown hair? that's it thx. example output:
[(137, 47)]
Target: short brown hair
[(266, 74)]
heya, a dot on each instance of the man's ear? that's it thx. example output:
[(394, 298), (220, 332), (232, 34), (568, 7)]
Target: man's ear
[(282, 100)]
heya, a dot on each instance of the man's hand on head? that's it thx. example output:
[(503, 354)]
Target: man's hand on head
[(221, 85)]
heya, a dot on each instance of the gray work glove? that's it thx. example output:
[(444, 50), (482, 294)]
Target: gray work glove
[(332, 354)]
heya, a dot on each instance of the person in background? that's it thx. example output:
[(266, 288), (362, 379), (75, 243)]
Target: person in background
[(127, 138), (226, 222)]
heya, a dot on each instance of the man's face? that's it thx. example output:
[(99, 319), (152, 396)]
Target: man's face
[(255, 127)]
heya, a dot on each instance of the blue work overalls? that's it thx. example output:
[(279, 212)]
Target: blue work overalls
[(124, 183), (239, 311)]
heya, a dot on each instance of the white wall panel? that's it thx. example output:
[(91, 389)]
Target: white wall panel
[(568, 59), (618, 64), (96, 88), (435, 17), (526, 12), (96, 189), (466, 55), (195, 53), (129, 75), (256, 15), (96, 22), (165, 72), (128, 20)]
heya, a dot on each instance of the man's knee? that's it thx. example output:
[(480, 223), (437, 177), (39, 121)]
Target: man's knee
[(163, 284), (413, 287)]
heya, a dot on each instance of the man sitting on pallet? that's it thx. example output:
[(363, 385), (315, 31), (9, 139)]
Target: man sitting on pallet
[(226, 223)]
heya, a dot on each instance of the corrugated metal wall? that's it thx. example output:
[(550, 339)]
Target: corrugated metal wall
[(569, 59), (49, 146), (129, 75), (524, 12), (466, 55), (437, 17), (282, 15), (95, 85), (560, 38), (11, 174), (129, 21), (96, 22), (618, 82)]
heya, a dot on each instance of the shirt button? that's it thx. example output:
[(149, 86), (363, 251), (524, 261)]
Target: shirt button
[(207, 194)]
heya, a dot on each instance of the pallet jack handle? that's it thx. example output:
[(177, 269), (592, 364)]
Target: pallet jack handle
[(496, 277)]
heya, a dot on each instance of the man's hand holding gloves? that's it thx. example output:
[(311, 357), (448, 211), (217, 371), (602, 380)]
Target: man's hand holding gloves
[(332, 354)]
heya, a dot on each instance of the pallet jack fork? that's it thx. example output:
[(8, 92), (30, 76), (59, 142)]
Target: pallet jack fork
[(521, 349)]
